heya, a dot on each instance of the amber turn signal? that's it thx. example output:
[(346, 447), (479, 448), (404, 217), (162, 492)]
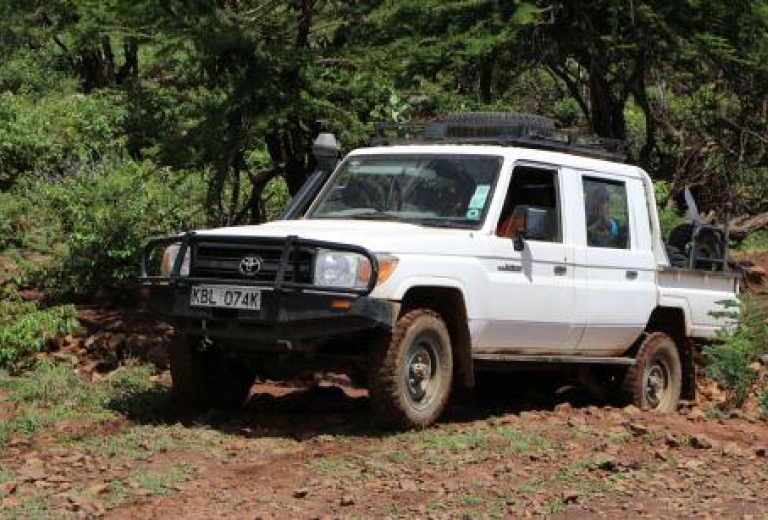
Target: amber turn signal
[(341, 305)]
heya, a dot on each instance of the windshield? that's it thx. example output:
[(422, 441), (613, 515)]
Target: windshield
[(432, 190)]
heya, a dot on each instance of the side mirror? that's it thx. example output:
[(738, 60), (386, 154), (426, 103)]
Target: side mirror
[(536, 226)]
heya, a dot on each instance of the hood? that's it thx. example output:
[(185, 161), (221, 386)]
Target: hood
[(379, 237)]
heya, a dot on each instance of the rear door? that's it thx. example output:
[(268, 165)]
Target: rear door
[(615, 267)]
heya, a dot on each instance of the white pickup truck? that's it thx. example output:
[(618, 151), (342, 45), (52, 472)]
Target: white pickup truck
[(413, 267)]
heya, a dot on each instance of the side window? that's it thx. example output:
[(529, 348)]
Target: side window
[(533, 189), (607, 213)]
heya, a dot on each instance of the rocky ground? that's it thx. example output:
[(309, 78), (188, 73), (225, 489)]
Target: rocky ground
[(116, 447)]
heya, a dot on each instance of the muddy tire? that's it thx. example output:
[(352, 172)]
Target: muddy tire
[(207, 379), (411, 374), (655, 381)]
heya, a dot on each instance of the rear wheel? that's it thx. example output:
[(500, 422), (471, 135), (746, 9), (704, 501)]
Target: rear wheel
[(411, 374), (208, 378), (655, 381)]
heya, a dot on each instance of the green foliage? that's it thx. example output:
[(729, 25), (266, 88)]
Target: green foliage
[(25, 327), (729, 362), (14, 222), (107, 213), (756, 241), (52, 135), (668, 216)]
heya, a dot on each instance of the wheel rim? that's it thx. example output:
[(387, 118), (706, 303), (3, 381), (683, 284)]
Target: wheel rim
[(421, 372), (657, 384)]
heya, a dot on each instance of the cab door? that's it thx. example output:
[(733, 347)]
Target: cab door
[(615, 262), (530, 295)]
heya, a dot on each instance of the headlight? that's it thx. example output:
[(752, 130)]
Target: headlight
[(350, 270), (169, 260)]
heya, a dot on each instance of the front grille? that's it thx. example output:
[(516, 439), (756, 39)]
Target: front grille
[(217, 260)]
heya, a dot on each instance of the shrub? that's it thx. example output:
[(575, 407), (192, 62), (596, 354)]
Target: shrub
[(729, 363), (25, 326), (668, 217), (106, 214), (762, 400), (55, 134), (14, 220)]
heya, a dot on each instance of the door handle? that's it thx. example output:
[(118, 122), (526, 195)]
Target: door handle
[(631, 275), (560, 270)]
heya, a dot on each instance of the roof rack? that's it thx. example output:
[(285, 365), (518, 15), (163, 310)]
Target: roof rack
[(500, 129)]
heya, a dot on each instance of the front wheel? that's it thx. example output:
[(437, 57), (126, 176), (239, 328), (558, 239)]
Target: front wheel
[(411, 375), (655, 381)]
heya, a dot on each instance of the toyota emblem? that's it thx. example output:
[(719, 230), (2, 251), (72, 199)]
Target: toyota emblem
[(250, 265)]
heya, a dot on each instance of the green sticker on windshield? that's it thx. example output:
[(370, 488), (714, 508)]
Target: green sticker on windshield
[(478, 199), (473, 214)]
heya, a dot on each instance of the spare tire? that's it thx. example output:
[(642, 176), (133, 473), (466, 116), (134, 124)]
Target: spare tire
[(497, 118), (709, 246), (680, 236)]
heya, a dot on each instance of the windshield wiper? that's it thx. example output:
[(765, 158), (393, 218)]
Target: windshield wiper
[(378, 215), (443, 223)]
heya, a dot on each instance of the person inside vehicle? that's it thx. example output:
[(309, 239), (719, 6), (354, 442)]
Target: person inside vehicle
[(602, 228), (511, 224)]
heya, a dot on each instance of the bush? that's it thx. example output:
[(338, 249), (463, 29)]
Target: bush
[(53, 135), (107, 213), (729, 363), (668, 217), (25, 326), (14, 220)]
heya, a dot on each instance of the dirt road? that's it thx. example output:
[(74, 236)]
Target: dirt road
[(312, 453)]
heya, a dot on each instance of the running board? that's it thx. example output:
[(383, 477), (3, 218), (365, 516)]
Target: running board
[(585, 360)]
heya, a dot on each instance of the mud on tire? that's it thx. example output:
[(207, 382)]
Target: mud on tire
[(207, 379), (655, 381), (411, 374)]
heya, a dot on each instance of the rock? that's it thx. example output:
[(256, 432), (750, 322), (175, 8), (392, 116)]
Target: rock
[(701, 442), (9, 503), (99, 489), (761, 451), (300, 493), (33, 469), (89, 507), (732, 450), (637, 429), (697, 414), (8, 488), (693, 464), (661, 454), (671, 440), (632, 410), (347, 500), (563, 408), (408, 485), (571, 496)]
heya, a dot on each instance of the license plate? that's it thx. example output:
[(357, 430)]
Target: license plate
[(227, 297)]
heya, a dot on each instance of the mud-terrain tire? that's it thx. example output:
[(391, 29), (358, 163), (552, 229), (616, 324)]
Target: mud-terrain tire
[(411, 374), (655, 381), (207, 379)]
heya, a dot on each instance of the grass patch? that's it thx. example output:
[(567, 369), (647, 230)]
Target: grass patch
[(332, 467), (443, 447), (52, 393), (141, 442), (160, 482)]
